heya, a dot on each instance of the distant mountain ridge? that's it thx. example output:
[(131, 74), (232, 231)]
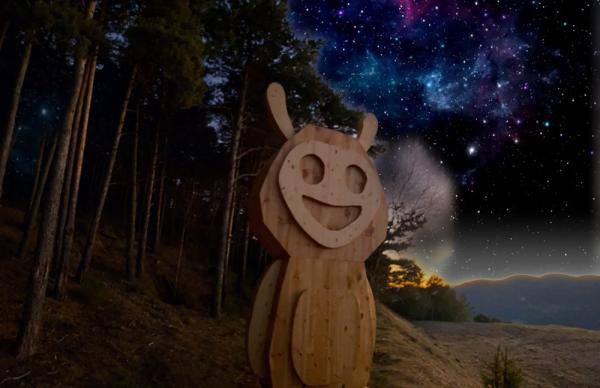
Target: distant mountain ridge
[(549, 299)]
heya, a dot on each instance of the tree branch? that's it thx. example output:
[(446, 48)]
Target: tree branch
[(16, 378), (253, 149), (246, 176)]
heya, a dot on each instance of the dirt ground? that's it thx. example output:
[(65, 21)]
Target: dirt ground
[(112, 333)]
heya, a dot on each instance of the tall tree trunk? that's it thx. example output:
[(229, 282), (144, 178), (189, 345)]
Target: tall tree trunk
[(71, 209), (242, 282), (229, 199), (9, 127), (66, 190), (186, 220), (229, 241), (33, 309), (38, 171), (141, 258), (130, 269), (163, 213), (32, 214), (159, 205), (91, 240), (3, 31)]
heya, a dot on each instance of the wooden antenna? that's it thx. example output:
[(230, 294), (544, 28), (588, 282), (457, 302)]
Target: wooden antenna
[(278, 110), (367, 129)]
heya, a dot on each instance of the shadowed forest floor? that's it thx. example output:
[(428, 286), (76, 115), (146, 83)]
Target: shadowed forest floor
[(114, 333), (111, 332)]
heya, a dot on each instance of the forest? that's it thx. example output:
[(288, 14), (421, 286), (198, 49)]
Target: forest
[(132, 133)]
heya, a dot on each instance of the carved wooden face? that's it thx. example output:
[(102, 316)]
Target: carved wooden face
[(332, 192), (320, 197)]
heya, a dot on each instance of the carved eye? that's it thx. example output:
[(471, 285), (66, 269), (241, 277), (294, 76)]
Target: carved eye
[(356, 179), (312, 168)]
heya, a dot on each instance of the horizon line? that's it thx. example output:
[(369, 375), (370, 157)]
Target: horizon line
[(460, 283)]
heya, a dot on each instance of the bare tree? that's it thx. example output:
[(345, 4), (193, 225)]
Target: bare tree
[(417, 192)]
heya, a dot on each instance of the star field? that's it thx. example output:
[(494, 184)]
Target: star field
[(502, 94)]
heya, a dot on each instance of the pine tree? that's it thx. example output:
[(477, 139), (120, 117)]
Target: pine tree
[(34, 302), (251, 44), (168, 71)]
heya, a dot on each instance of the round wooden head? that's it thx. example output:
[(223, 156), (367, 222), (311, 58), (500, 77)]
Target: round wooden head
[(321, 196)]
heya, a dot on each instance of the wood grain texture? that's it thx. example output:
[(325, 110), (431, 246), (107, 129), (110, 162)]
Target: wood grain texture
[(318, 208), (325, 331), (367, 129), (338, 209), (278, 110), (280, 233), (319, 276)]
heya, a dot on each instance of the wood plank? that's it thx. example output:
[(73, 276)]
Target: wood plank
[(325, 336), (339, 277)]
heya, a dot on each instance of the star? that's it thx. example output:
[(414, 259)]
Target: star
[(496, 90)]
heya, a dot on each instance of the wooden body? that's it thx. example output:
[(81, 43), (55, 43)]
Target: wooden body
[(319, 327), (319, 210)]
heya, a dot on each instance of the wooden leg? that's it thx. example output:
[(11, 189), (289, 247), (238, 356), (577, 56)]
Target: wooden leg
[(333, 324)]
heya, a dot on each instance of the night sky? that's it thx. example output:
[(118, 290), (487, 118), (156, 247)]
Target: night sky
[(495, 100)]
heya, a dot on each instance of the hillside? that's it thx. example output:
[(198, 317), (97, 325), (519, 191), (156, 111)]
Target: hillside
[(406, 357), (550, 356), (443, 354), (551, 299), (114, 333)]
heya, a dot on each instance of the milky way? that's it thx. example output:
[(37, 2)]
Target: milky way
[(501, 92), (411, 61)]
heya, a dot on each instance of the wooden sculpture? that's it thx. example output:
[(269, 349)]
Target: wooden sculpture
[(319, 210)]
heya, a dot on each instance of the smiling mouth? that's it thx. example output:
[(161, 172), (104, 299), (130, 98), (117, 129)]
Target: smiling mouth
[(330, 216)]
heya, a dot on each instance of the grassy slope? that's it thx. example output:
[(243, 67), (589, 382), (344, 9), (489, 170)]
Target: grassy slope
[(443, 354), (406, 357), (113, 333), (550, 356)]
